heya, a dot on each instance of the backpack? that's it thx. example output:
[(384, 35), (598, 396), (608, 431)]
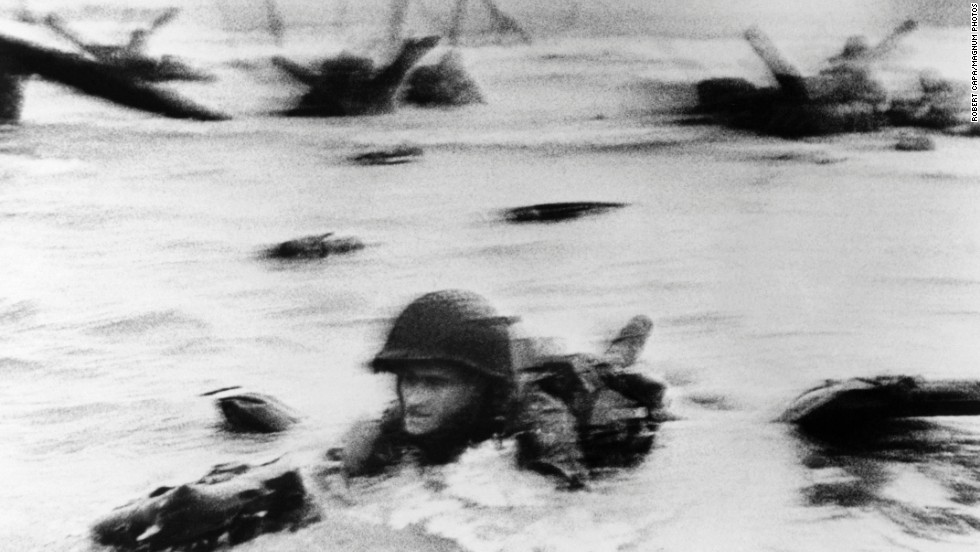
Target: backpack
[(614, 407)]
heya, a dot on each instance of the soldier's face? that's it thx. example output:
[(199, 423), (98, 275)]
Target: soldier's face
[(435, 395)]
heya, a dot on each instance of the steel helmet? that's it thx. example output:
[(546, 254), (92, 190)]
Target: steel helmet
[(455, 326)]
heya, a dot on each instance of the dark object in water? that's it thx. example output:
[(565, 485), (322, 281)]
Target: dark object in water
[(937, 104), (254, 412), (233, 503), (970, 130), (840, 98), (553, 212), (859, 401), (101, 80), (739, 104), (616, 408), (315, 247), (915, 142), (845, 99), (129, 58), (11, 90), (388, 156), (162, 69), (443, 84), (348, 85)]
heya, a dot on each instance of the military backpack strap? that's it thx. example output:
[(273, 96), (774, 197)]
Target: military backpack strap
[(547, 438)]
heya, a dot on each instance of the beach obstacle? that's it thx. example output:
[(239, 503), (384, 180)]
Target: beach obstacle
[(350, 85), (840, 98), (446, 83), (11, 91), (93, 78), (129, 59)]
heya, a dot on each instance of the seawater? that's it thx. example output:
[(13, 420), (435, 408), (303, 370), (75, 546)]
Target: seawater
[(133, 282)]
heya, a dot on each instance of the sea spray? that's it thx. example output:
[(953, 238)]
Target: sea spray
[(486, 504)]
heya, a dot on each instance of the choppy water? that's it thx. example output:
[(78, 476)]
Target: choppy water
[(132, 283)]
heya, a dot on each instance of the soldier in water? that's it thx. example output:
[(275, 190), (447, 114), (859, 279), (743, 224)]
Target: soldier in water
[(462, 378)]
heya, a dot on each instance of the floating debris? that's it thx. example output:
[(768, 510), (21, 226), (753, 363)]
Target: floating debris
[(248, 412), (393, 155), (315, 247), (869, 400), (232, 504), (554, 212)]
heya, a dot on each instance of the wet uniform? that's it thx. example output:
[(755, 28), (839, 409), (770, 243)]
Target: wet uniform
[(567, 413), (570, 418)]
